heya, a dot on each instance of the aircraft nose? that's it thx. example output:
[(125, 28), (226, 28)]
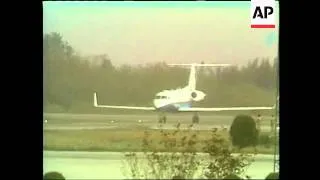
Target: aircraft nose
[(155, 103)]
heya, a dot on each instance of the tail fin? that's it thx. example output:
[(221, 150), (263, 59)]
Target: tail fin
[(192, 76)]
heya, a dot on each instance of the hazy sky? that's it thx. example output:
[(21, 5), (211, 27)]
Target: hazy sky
[(140, 32)]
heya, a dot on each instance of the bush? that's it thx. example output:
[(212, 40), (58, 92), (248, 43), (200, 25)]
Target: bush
[(243, 131), (264, 139), (267, 140), (222, 163), (216, 163), (164, 162), (53, 176), (273, 175)]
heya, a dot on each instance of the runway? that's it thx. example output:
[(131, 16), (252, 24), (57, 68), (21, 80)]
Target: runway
[(109, 165), (96, 121)]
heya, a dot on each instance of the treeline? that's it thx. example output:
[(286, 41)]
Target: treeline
[(71, 79)]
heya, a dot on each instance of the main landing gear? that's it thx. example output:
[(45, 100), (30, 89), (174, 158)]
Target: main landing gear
[(162, 119), (195, 118)]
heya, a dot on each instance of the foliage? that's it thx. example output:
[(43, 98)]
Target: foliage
[(70, 79), (160, 163), (267, 140), (243, 131), (222, 163), (53, 175), (165, 162)]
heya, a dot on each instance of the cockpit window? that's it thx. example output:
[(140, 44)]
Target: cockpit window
[(162, 97)]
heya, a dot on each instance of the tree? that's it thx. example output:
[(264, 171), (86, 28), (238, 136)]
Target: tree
[(264, 76), (243, 131), (60, 66), (70, 80), (106, 63)]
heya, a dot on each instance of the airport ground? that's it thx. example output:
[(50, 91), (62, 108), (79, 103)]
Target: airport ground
[(93, 166), (60, 121), (109, 165)]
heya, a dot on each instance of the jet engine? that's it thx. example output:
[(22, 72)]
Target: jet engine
[(197, 95)]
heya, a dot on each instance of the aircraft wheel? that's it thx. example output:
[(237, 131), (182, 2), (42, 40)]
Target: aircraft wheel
[(195, 119), (160, 120), (164, 119)]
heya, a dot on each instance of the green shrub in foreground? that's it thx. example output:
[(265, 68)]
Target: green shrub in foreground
[(53, 175), (243, 131), (267, 140), (217, 162)]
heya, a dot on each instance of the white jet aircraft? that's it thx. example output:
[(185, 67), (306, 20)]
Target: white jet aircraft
[(179, 100)]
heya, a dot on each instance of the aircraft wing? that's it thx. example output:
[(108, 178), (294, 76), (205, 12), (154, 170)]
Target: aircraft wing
[(198, 109), (95, 103)]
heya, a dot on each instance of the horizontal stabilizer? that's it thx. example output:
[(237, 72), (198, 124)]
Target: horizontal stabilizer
[(201, 65)]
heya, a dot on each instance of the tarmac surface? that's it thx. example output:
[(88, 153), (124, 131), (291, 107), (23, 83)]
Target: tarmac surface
[(109, 165)]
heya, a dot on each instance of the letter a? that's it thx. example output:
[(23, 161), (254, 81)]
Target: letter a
[(257, 13)]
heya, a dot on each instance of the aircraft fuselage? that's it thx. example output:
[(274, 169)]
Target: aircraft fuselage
[(173, 100)]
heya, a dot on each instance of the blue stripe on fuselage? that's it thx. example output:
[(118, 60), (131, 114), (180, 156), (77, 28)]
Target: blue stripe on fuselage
[(184, 105), (174, 107)]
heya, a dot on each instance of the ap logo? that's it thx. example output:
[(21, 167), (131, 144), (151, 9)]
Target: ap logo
[(263, 14)]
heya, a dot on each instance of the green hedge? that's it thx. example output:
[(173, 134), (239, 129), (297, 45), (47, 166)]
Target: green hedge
[(267, 140)]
